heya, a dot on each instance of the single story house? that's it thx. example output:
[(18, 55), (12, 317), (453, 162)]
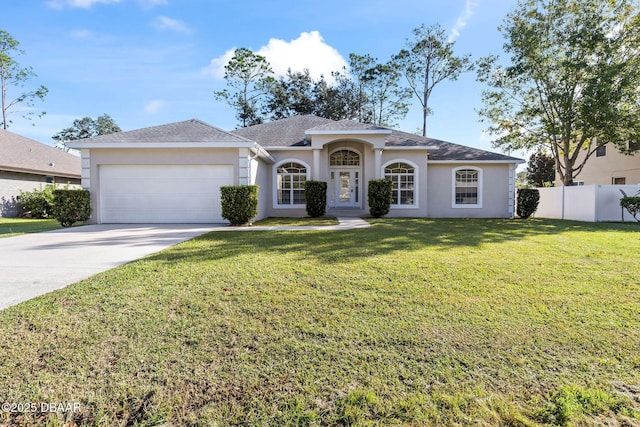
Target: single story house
[(26, 165), (173, 172)]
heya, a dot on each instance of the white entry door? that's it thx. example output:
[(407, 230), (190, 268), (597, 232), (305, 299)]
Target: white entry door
[(346, 187)]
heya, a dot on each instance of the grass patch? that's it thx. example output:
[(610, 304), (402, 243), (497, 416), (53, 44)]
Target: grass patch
[(16, 226), (296, 221), (408, 322)]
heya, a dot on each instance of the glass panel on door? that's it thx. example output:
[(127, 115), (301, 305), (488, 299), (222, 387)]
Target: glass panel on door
[(345, 187)]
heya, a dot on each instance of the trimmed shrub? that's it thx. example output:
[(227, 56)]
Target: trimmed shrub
[(71, 206), (380, 197), (315, 193), (527, 204), (632, 205), (37, 203), (239, 203)]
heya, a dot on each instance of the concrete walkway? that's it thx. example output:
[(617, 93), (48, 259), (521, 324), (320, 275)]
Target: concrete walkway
[(343, 224), (34, 264)]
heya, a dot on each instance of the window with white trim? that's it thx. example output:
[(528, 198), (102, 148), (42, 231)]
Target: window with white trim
[(290, 180), (403, 177), (467, 187)]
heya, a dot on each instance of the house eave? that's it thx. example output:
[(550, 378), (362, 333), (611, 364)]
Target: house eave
[(92, 145), (411, 148), (40, 172), (516, 161)]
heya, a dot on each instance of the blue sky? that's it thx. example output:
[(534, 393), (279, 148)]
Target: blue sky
[(150, 62)]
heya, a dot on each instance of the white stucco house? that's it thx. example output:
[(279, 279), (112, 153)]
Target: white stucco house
[(173, 172)]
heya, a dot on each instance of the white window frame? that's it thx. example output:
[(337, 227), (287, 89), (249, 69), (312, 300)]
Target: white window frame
[(416, 182), (477, 205), (276, 205)]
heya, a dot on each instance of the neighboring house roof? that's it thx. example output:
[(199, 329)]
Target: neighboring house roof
[(291, 132), (20, 154), (191, 131)]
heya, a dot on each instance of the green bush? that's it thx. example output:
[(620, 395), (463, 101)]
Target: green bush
[(71, 206), (632, 205), (239, 203), (315, 193), (37, 203), (380, 197), (528, 199)]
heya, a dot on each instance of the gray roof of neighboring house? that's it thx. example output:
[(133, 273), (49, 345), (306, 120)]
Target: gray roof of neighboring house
[(186, 131), (290, 132), (20, 154)]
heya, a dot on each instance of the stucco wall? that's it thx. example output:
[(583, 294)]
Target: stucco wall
[(11, 183), (418, 158), (496, 191), (603, 170)]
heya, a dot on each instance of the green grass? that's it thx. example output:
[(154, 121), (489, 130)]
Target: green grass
[(16, 226), (296, 221), (408, 322)]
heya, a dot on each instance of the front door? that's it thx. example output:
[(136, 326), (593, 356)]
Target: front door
[(346, 187)]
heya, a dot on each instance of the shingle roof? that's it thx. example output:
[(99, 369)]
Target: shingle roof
[(347, 125), (192, 130), (21, 154), (445, 151), (290, 132)]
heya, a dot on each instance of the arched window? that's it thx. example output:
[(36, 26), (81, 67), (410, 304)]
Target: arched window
[(403, 177), (344, 158), (290, 179), (467, 187)]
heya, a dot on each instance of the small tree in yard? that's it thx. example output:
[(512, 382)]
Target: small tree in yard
[(528, 199), (239, 203), (541, 169), (380, 197), (315, 193), (632, 205)]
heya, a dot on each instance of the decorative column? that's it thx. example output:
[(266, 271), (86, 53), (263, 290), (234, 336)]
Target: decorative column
[(244, 169), (316, 164), (377, 156)]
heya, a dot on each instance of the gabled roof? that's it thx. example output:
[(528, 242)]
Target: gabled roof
[(294, 131), (20, 154), (289, 132), (191, 131)]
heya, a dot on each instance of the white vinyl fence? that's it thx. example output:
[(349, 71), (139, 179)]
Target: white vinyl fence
[(591, 203)]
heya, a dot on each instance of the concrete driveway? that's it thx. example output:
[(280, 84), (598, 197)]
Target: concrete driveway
[(34, 264)]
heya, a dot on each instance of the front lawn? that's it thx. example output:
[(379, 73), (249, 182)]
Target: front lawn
[(15, 226), (408, 322)]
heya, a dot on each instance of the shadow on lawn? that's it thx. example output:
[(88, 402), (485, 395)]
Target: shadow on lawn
[(385, 236)]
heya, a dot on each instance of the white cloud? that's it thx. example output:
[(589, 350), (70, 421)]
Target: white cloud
[(307, 51), (462, 20), (82, 4), (164, 23), (154, 106), (81, 34), (150, 4)]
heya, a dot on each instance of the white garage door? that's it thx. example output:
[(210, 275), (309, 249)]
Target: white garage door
[(162, 193)]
